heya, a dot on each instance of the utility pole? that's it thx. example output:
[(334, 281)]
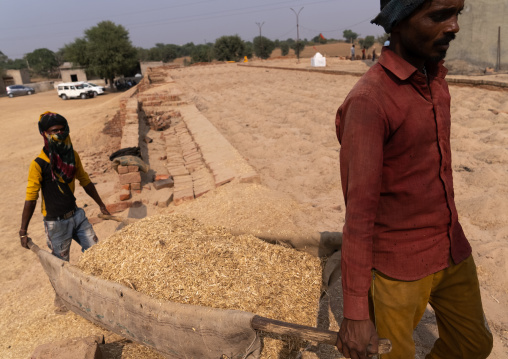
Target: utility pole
[(260, 38), (498, 58), (297, 34)]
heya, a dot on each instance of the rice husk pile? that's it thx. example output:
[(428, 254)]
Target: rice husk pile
[(176, 258)]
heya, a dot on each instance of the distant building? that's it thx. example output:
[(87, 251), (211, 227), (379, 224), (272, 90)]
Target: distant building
[(477, 40), (16, 77), (70, 73)]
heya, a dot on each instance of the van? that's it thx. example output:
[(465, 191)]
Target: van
[(74, 90)]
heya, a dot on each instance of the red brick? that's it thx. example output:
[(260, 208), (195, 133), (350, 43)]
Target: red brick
[(133, 168), (118, 207), (132, 177), (125, 195), (126, 186), (161, 177), (123, 169)]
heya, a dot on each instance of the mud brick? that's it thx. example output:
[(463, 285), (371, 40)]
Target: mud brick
[(178, 171), (180, 197), (138, 191), (252, 177), (118, 207), (163, 183), (136, 186), (123, 169), (164, 197), (147, 187), (125, 195), (223, 177), (133, 168), (132, 177), (126, 186)]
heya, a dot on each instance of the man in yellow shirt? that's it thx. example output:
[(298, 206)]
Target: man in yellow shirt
[(54, 172)]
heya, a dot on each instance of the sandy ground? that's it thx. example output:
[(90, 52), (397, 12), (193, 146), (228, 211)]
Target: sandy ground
[(283, 123)]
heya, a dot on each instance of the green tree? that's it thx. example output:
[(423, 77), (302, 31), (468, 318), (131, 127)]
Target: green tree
[(42, 61), (367, 42), (349, 35), (106, 50), (263, 47), (202, 53), (382, 38), (284, 48), (229, 48), (298, 47), (319, 40)]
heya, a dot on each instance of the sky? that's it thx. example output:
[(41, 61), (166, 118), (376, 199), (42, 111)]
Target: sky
[(28, 25)]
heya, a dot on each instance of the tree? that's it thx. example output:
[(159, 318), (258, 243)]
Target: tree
[(298, 47), (382, 38), (106, 50), (42, 61), (319, 39), (263, 47), (349, 35), (229, 48), (367, 42), (284, 48), (202, 53)]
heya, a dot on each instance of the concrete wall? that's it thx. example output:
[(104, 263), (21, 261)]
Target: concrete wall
[(477, 39), (66, 75)]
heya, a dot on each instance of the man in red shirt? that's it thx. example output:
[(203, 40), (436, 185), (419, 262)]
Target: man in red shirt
[(403, 246)]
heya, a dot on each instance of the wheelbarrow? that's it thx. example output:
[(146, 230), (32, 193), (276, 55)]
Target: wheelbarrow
[(176, 330)]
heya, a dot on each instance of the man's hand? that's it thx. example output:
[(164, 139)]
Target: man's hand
[(24, 241), (357, 339), (105, 211)]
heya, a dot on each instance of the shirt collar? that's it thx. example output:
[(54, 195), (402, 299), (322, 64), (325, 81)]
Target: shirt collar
[(403, 69)]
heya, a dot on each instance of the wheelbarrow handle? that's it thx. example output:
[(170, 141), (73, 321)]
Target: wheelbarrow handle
[(303, 332)]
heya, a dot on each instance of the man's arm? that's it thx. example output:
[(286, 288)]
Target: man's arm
[(92, 192), (26, 216), (362, 131)]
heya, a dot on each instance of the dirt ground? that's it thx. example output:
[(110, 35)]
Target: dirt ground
[(283, 123)]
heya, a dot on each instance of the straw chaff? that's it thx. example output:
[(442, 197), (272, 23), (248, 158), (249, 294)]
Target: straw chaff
[(176, 258)]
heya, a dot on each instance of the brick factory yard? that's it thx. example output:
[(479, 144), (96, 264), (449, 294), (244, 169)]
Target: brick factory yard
[(282, 123)]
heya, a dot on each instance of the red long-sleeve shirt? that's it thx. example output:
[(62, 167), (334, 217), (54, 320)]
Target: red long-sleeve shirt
[(396, 173)]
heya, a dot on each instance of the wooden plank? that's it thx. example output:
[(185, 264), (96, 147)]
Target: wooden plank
[(303, 332)]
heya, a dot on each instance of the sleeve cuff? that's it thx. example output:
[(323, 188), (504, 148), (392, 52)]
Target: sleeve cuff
[(356, 308)]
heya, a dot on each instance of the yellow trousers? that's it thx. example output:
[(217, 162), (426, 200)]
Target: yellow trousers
[(454, 294)]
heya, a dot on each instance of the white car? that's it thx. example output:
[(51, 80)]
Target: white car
[(98, 90), (74, 90)]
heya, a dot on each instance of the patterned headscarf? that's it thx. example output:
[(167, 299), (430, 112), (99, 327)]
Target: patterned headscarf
[(394, 11), (58, 147)]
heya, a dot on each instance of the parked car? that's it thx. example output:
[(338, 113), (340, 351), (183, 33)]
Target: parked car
[(74, 90), (18, 90), (98, 90)]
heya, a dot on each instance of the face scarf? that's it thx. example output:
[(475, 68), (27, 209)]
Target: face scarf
[(394, 11), (58, 147)]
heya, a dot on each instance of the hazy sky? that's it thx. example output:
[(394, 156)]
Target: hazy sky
[(27, 25)]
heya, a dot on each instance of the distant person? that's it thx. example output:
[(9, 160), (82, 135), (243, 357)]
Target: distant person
[(374, 55), (54, 172), (352, 52), (363, 53), (403, 245)]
